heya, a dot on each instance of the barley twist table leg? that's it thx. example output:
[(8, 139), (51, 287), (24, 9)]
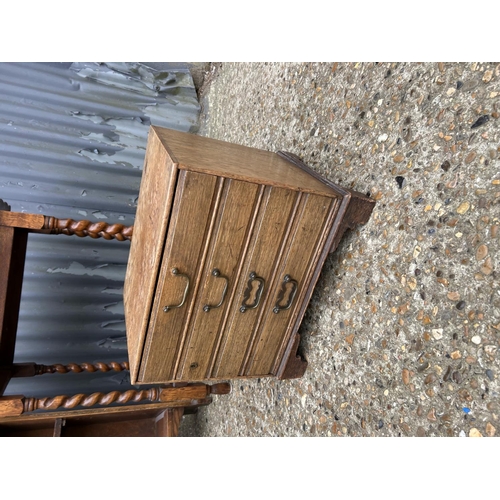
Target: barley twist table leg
[(84, 228), (78, 368), (97, 398)]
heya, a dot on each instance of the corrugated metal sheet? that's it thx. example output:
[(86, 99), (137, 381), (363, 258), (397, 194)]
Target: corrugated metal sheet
[(72, 145)]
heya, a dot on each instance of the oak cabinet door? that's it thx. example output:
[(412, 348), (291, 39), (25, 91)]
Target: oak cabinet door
[(219, 277), (265, 247), (290, 284), (178, 276)]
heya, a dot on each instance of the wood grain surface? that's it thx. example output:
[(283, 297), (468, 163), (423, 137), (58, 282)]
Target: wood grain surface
[(153, 212), (18, 219), (142, 420), (227, 212), (11, 406), (216, 157), (187, 235), (167, 424), (13, 242), (302, 245), (262, 257), (235, 215)]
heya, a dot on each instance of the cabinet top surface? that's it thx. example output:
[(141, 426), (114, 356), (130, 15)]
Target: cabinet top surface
[(211, 156)]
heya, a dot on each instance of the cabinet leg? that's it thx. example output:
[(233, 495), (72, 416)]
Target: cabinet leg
[(358, 211), (293, 366)]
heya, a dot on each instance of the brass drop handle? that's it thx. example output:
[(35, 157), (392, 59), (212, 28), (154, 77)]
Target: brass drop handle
[(286, 280), (248, 291), (176, 272), (217, 274)]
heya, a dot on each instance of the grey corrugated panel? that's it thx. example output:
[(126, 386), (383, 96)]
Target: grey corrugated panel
[(72, 145)]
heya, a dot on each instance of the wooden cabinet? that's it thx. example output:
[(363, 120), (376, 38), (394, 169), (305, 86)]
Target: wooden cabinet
[(228, 244)]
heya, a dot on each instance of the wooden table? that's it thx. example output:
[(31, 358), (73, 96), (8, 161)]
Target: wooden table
[(154, 411), (229, 242)]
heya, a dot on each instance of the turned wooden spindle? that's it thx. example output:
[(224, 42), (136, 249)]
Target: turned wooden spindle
[(84, 228), (78, 368), (97, 398), (11, 406), (33, 369), (38, 223)]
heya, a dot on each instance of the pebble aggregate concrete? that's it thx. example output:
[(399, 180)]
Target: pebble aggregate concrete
[(403, 329)]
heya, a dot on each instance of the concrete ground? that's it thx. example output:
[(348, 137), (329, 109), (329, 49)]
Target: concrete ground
[(403, 329)]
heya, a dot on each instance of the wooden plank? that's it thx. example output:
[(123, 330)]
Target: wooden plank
[(303, 245), (215, 157), (12, 251), (24, 370), (355, 208), (232, 231), (11, 406), (262, 259), (111, 412), (187, 392), (153, 211), (58, 425), (5, 376), (289, 364), (183, 251), (21, 220), (167, 425), (137, 423)]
